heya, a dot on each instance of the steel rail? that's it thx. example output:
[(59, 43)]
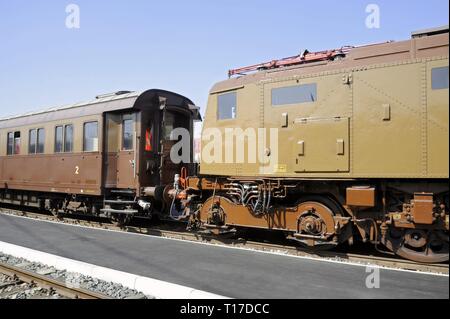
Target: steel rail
[(49, 283), (390, 262)]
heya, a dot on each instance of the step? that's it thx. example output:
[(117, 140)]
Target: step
[(122, 191), (119, 202), (118, 211)]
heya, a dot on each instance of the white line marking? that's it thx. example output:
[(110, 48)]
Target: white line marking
[(350, 263)]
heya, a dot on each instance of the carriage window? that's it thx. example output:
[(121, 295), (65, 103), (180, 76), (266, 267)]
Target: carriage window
[(439, 78), (127, 135), (10, 148), (169, 125), (90, 137), (226, 106), (15, 143), (68, 138), (32, 142), (36, 141), (294, 94), (40, 145), (149, 138), (58, 139)]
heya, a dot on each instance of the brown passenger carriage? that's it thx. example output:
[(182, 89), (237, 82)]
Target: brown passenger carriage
[(93, 157)]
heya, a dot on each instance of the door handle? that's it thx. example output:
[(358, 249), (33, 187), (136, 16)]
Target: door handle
[(340, 147), (301, 148), (284, 120), (387, 112)]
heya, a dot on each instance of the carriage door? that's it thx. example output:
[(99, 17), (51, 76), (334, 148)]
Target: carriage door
[(170, 169), (172, 120), (127, 151)]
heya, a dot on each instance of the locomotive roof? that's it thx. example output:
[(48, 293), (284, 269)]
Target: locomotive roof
[(104, 103), (423, 44)]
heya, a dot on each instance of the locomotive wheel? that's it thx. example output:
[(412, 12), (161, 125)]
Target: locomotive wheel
[(419, 245), (316, 224)]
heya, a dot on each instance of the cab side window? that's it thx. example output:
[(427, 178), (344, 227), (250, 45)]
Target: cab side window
[(227, 106), (298, 94), (439, 78)]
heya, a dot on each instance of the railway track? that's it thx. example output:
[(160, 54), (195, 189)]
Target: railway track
[(20, 276), (168, 231)]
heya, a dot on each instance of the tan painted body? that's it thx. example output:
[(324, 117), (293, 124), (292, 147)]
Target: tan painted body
[(377, 103), (361, 152)]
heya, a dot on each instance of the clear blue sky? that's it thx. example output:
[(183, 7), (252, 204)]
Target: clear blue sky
[(184, 46)]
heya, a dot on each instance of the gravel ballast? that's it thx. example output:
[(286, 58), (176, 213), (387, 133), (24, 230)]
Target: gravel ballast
[(20, 290)]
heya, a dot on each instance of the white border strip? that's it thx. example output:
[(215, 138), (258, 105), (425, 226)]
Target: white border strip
[(276, 253), (149, 286)]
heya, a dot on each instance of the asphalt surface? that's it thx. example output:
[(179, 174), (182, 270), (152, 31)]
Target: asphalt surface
[(229, 272)]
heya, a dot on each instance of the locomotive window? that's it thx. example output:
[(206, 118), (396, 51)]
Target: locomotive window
[(58, 139), (68, 138), (439, 78), (10, 148), (90, 137), (32, 142), (127, 135), (294, 94), (226, 106), (40, 141)]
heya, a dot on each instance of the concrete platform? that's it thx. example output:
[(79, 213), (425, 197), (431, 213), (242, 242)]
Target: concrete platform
[(229, 272)]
